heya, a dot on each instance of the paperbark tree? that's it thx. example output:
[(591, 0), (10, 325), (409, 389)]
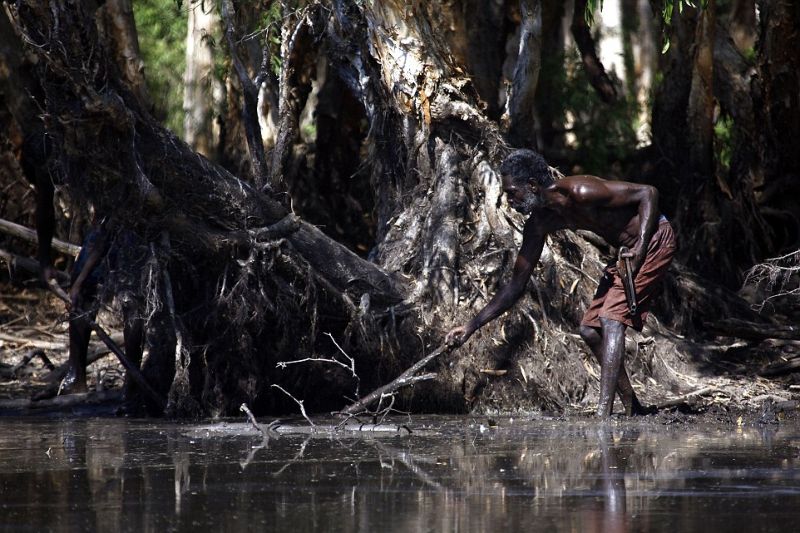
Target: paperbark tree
[(202, 94)]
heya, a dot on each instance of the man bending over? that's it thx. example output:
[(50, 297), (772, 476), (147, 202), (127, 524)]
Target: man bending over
[(622, 213)]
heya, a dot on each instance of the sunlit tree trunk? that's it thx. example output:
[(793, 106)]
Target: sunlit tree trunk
[(640, 60), (518, 117), (117, 21), (202, 94)]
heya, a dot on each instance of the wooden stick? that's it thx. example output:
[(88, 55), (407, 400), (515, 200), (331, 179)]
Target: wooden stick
[(30, 235), (406, 378), (45, 345), (683, 400)]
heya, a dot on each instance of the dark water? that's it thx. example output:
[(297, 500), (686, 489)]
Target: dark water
[(449, 475)]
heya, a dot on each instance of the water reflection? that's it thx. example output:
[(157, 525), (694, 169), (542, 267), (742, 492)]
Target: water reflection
[(449, 475)]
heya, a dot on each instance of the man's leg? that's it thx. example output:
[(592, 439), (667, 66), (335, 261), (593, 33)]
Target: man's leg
[(594, 339), (133, 331), (611, 365), (79, 332)]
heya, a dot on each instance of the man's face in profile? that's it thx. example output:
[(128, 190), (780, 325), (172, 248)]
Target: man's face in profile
[(523, 198)]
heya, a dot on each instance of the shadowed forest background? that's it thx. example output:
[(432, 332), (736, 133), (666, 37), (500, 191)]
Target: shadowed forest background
[(317, 180)]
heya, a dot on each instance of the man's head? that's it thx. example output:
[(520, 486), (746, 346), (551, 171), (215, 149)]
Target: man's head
[(525, 174)]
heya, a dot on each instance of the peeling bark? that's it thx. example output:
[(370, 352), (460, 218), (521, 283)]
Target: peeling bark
[(519, 117), (202, 93), (249, 88), (295, 85)]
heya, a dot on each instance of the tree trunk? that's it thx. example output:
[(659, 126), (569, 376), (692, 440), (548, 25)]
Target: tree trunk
[(518, 118), (549, 106), (700, 114), (202, 93), (779, 67), (640, 59), (120, 29), (591, 63)]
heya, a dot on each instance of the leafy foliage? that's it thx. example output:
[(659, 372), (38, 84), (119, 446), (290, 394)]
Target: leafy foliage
[(604, 134), (162, 27)]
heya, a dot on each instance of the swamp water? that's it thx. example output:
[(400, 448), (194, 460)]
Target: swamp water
[(449, 474)]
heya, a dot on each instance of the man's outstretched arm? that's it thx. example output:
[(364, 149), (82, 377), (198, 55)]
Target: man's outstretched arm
[(529, 253)]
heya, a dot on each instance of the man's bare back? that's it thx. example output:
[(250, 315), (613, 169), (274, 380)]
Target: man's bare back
[(614, 210)]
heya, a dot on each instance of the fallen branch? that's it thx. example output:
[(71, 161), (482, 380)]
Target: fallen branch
[(33, 343), (686, 398), (36, 352), (250, 416), (406, 378), (298, 402), (18, 262), (30, 235), (351, 367), (97, 351)]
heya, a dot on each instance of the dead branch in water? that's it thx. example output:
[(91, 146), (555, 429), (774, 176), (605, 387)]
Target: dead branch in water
[(298, 402), (405, 379)]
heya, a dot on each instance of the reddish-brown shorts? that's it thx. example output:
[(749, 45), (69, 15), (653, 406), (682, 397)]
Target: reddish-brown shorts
[(609, 300)]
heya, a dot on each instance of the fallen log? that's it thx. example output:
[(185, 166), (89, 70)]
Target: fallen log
[(30, 235)]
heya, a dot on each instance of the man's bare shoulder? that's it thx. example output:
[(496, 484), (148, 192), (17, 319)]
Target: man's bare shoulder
[(575, 183), (580, 189)]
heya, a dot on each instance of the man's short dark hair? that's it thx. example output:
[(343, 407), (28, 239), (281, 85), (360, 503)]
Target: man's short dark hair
[(525, 166)]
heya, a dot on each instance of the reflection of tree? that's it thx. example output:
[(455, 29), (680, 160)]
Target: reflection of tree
[(557, 475)]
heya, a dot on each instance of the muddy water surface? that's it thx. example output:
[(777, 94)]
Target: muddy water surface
[(450, 474)]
